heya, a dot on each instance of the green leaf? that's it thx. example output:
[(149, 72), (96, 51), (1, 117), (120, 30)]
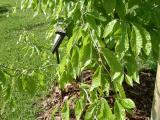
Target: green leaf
[(78, 108), (94, 94), (136, 41), (104, 112), (127, 103), (99, 34), (66, 111), (86, 52), (61, 66), (97, 16), (109, 5), (96, 82), (75, 37), (91, 21), (60, 6), (94, 54), (147, 46), (131, 67), (129, 80), (131, 64), (135, 77), (65, 78), (118, 77), (112, 61), (119, 89), (105, 83), (73, 11), (123, 43), (75, 61), (120, 8), (109, 28), (90, 113), (69, 71), (2, 77), (119, 111)]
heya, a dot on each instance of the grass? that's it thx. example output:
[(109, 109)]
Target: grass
[(12, 25)]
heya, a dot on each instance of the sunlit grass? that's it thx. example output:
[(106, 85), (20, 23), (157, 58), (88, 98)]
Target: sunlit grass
[(13, 22)]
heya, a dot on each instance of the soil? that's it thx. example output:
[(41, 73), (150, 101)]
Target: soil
[(141, 94)]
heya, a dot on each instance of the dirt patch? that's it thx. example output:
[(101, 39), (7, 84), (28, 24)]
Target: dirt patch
[(141, 94)]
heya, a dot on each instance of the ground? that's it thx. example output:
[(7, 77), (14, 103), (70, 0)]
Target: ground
[(141, 94)]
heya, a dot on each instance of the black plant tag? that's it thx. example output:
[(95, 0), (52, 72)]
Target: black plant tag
[(57, 41)]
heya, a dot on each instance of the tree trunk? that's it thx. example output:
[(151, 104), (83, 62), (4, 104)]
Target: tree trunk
[(155, 113)]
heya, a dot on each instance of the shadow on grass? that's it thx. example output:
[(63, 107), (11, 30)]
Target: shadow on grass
[(4, 10)]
